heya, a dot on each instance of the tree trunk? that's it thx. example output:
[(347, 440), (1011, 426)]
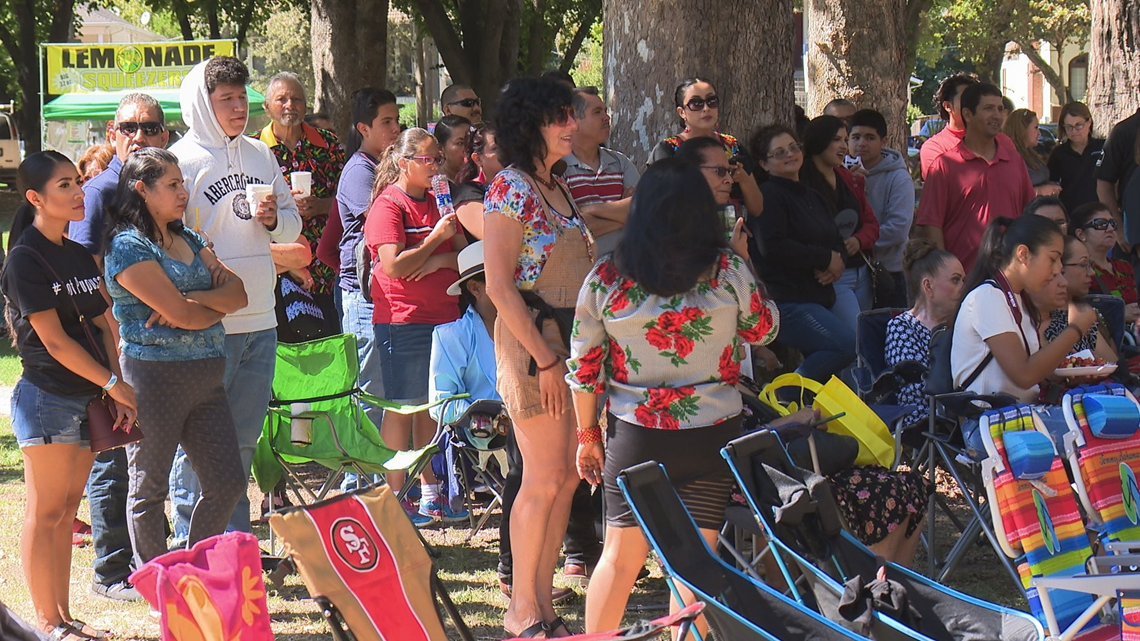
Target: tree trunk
[(646, 54), (915, 19), (1114, 62), (1052, 76), (989, 65), (350, 50), (857, 50), (22, 49)]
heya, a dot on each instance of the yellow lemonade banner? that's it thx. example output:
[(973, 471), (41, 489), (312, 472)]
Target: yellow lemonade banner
[(87, 67)]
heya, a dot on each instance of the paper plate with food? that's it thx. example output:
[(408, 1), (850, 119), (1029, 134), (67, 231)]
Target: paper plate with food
[(1083, 363)]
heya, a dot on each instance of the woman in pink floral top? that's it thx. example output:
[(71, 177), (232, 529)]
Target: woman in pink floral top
[(662, 325)]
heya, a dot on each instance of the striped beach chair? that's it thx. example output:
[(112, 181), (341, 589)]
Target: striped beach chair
[(1105, 469), (1039, 524)]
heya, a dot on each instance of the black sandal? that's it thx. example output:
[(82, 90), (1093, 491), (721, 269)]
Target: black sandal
[(551, 626), (532, 631), (78, 627)]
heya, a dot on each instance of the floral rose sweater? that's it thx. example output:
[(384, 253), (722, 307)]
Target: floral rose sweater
[(668, 363)]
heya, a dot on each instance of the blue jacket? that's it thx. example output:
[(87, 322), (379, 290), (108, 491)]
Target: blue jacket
[(97, 195), (462, 361)]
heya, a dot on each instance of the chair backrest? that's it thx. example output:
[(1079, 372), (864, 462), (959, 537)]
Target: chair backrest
[(361, 551), (1104, 469), (940, 376), (687, 558), (1112, 309), (871, 339), (1035, 520), (325, 367)]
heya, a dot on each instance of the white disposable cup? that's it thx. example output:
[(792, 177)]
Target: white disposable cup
[(256, 194), (302, 181), (300, 429)]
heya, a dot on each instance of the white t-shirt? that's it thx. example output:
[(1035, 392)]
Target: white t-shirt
[(985, 314)]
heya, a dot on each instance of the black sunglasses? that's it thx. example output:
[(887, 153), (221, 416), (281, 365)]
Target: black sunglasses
[(1100, 224), (721, 171), (466, 102), (149, 128), (698, 104)]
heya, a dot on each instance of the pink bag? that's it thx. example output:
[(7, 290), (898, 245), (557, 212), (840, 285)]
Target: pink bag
[(211, 592)]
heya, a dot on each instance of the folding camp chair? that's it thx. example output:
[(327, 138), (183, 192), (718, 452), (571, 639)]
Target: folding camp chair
[(944, 448), (683, 620), (737, 606), (368, 567), (1111, 309), (801, 522), (475, 435), (1037, 522), (315, 416), (1104, 468)]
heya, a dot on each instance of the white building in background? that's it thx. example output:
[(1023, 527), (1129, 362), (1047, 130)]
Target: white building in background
[(104, 25), (1026, 86)]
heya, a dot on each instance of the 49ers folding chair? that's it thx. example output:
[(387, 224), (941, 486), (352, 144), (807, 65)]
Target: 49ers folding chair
[(368, 567)]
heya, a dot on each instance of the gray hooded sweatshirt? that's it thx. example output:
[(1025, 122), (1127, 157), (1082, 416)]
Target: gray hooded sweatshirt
[(217, 169), (890, 192)]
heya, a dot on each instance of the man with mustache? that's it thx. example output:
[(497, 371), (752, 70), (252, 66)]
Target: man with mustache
[(980, 179), (299, 146), (139, 123), (601, 180)]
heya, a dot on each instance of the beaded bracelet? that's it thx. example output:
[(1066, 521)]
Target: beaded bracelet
[(589, 435)]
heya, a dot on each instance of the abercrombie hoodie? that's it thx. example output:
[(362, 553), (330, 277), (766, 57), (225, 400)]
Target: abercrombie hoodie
[(216, 169)]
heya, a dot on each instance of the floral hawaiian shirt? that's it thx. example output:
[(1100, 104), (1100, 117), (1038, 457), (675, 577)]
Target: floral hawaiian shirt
[(319, 151), (511, 195), (668, 362)]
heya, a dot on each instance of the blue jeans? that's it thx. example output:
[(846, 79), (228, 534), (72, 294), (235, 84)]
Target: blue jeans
[(826, 340), (404, 353), (1052, 417), (107, 496), (854, 293), (250, 359), (357, 320)]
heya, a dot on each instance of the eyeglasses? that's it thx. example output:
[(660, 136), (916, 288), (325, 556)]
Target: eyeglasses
[(721, 171), (783, 153), (149, 128), (698, 104), (564, 115), (466, 102), (1080, 126), (1086, 265), (1100, 224), (428, 160)]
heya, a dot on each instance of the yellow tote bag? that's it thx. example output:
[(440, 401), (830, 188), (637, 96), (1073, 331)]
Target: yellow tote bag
[(876, 444)]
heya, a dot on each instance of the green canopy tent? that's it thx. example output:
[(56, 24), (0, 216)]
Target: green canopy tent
[(101, 105)]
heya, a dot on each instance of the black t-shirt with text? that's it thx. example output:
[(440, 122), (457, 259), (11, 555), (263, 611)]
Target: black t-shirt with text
[(30, 286), (1119, 160)]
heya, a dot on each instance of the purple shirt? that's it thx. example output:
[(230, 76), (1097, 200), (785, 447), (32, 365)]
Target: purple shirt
[(353, 197)]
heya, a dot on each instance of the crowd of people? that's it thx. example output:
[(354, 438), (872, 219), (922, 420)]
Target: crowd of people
[(613, 312)]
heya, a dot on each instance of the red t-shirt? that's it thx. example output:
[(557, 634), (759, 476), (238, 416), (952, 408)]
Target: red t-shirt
[(963, 193), (396, 217)]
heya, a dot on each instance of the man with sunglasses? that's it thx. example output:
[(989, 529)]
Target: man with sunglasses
[(138, 124), (461, 100)]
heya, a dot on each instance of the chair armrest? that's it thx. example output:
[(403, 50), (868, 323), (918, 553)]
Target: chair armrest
[(390, 406)]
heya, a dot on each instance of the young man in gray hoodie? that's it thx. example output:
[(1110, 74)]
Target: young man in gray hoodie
[(890, 192), (218, 162)]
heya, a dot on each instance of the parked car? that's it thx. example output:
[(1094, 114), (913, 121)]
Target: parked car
[(1046, 138), (9, 149)]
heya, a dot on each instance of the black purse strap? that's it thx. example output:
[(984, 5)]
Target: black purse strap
[(977, 372), (100, 355)]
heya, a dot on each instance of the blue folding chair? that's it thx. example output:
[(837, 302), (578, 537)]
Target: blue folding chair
[(876, 382), (737, 606), (801, 523)]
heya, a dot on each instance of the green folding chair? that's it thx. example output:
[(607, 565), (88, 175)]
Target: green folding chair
[(315, 416)]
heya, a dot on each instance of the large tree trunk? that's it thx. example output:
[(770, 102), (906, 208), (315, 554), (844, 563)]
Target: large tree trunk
[(350, 50), (857, 49), (1114, 62), (646, 54)]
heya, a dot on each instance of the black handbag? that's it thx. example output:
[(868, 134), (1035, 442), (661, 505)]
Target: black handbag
[(881, 279), (299, 317)]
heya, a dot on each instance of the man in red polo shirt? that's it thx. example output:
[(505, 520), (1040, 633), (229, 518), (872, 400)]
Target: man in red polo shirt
[(980, 179), (948, 103)]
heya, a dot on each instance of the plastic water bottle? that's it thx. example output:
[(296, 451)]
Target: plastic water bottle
[(442, 191)]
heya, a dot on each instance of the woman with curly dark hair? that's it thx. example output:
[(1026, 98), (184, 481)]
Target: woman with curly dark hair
[(698, 111), (537, 254)]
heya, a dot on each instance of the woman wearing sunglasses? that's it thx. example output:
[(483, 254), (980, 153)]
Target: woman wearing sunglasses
[(1094, 225), (538, 252), (698, 107), (414, 249), (803, 257)]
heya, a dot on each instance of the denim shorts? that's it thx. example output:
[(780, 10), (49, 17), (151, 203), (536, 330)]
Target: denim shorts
[(405, 358), (41, 418)]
